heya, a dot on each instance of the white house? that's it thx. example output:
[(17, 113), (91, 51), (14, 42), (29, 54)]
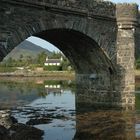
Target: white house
[(53, 62)]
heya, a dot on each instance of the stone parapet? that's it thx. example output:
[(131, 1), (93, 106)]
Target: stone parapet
[(107, 9)]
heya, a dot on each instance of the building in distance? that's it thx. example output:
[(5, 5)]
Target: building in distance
[(53, 62)]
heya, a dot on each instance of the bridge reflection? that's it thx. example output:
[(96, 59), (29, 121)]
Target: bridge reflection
[(99, 124), (103, 116), (95, 123)]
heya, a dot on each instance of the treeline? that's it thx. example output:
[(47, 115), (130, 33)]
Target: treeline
[(137, 63), (27, 61)]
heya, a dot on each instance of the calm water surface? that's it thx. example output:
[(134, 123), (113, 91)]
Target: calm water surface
[(54, 103)]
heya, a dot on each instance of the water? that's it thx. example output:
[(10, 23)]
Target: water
[(50, 106), (61, 110), (51, 100)]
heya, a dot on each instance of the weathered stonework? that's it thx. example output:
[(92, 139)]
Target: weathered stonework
[(127, 22), (97, 37)]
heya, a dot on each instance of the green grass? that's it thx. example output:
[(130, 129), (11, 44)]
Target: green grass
[(7, 69), (52, 68), (138, 101)]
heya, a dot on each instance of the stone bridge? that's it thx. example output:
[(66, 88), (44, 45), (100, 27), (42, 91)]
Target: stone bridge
[(99, 39)]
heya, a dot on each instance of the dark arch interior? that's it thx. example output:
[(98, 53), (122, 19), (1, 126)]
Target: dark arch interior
[(82, 51)]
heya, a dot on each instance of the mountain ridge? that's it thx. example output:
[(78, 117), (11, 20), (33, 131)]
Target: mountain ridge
[(26, 48)]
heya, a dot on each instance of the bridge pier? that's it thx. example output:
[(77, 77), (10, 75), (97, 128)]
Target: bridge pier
[(94, 90), (117, 88), (126, 21)]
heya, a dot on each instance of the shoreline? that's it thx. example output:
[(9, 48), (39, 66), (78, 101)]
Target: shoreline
[(137, 73), (56, 75), (42, 76)]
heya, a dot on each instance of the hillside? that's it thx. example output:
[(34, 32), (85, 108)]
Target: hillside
[(25, 49)]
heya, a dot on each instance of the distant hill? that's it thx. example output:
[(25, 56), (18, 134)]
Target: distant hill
[(25, 49)]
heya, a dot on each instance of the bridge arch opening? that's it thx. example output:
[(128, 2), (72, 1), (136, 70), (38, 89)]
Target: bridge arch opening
[(92, 66), (84, 53)]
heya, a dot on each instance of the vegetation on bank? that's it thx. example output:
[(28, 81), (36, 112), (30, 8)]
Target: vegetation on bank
[(137, 64), (137, 101), (27, 63), (7, 69)]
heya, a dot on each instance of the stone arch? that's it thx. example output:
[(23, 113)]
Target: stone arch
[(95, 33), (99, 25), (102, 35), (91, 58), (87, 57)]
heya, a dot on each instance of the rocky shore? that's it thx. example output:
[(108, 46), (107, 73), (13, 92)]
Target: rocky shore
[(10, 129)]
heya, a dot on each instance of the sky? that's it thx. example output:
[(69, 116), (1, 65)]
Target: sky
[(50, 47), (42, 43), (126, 1)]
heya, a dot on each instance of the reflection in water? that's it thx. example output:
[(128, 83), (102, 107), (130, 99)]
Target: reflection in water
[(46, 109), (52, 108), (105, 125)]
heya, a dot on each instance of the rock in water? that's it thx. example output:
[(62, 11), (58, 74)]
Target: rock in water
[(5, 118), (25, 132), (39, 121), (4, 133)]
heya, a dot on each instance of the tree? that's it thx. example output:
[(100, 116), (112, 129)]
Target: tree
[(29, 60), (9, 62), (66, 64), (41, 58), (21, 58), (56, 55)]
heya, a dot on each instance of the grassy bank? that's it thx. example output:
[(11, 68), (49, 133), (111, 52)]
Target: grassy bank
[(48, 74), (137, 73)]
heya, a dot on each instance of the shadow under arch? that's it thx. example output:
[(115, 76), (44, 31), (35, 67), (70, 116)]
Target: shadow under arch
[(83, 52)]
